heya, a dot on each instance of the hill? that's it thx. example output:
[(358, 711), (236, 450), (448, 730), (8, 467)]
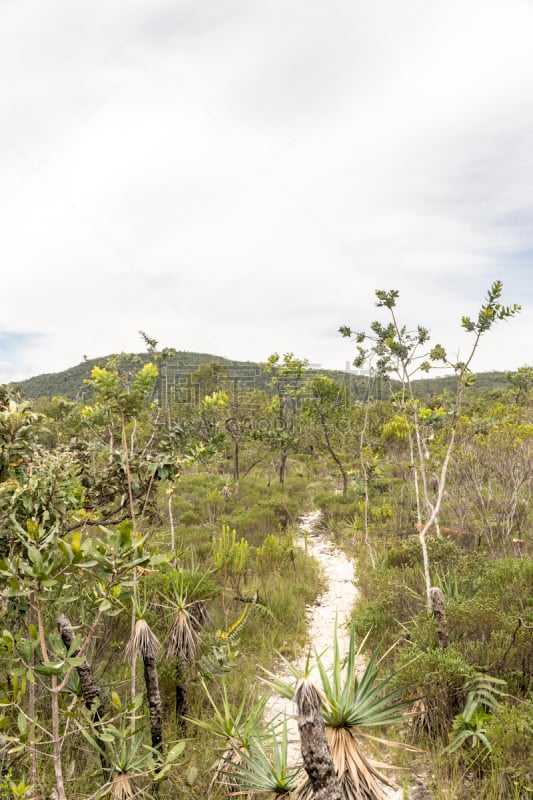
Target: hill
[(70, 382)]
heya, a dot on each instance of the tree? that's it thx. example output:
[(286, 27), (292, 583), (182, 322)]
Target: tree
[(287, 383), (325, 404), (404, 353)]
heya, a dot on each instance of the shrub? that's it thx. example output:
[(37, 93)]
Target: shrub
[(189, 518), (443, 553), (510, 731), (439, 677)]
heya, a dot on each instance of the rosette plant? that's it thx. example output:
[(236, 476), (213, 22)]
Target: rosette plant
[(355, 698)]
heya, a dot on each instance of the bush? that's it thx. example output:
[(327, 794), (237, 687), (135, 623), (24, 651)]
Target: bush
[(337, 508), (189, 518), (510, 732), (439, 677), (442, 553)]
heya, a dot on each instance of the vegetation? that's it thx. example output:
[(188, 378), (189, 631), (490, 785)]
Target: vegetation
[(152, 523)]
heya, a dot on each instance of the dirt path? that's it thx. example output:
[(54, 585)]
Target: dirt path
[(336, 602)]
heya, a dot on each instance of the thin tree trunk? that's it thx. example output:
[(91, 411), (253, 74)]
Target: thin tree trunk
[(282, 466), (364, 471), (171, 520), (334, 455), (89, 687), (154, 700), (182, 696), (56, 735), (439, 615), (31, 710), (316, 754), (54, 702), (133, 678), (236, 461)]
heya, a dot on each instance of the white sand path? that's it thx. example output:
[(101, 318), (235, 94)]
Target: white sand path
[(336, 602)]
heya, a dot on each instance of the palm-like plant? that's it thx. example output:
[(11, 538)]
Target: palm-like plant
[(144, 642), (263, 767), (469, 727), (239, 729), (132, 762), (189, 615), (351, 703)]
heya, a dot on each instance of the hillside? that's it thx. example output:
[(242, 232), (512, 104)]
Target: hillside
[(70, 382)]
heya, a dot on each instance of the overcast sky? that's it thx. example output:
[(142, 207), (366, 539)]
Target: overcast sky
[(237, 177)]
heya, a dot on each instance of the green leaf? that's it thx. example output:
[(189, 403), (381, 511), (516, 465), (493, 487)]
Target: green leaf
[(22, 723), (49, 669)]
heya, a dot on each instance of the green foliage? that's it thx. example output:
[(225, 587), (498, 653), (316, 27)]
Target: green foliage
[(130, 758), (469, 728), (438, 677), (490, 312), (274, 554), (509, 773), (263, 767), (120, 392), (17, 432), (230, 555), (407, 552)]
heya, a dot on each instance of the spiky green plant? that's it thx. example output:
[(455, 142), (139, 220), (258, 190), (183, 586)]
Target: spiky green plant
[(132, 762), (144, 642), (470, 726), (236, 727), (183, 642), (351, 703), (263, 767)]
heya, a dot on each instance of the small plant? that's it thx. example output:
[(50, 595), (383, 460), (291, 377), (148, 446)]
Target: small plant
[(470, 726), (263, 767), (230, 556), (456, 589), (238, 730)]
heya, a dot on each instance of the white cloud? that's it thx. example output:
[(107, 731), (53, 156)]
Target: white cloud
[(239, 177)]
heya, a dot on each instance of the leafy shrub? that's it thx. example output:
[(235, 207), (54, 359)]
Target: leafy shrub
[(439, 677), (510, 731), (273, 554), (443, 553), (337, 508), (189, 518), (494, 626)]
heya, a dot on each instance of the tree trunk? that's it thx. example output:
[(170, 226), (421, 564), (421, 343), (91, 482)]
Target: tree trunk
[(438, 609), (32, 712), (154, 700), (236, 460), (334, 455), (89, 687), (182, 696), (317, 758), (283, 466)]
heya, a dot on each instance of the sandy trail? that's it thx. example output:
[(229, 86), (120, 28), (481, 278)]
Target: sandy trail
[(336, 602)]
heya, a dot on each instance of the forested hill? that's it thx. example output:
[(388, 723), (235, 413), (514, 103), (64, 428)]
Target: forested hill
[(70, 382)]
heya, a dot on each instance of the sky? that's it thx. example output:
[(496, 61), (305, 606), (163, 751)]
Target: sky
[(238, 177)]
